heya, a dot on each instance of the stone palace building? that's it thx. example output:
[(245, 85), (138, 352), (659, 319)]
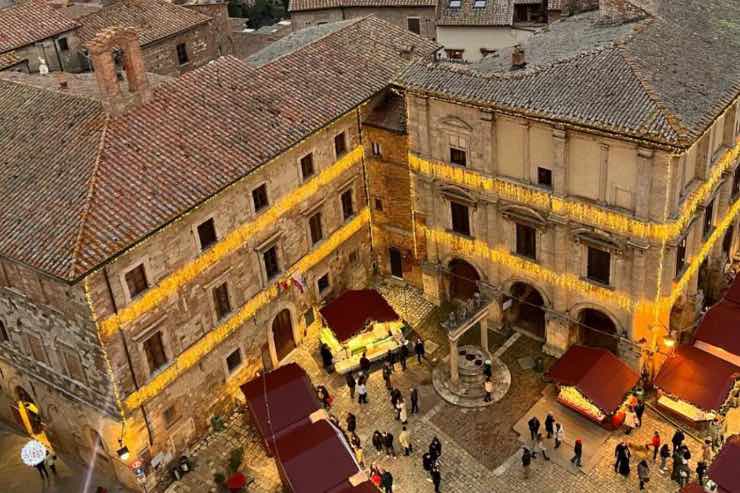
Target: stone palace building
[(163, 239)]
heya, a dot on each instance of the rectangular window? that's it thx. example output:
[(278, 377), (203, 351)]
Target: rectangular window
[(259, 198), (736, 182), (73, 364), (272, 268), (378, 204), (454, 54), (314, 224), (709, 218), (221, 301), (727, 241), (458, 156), (680, 256), (375, 148), (3, 332), (348, 208), (340, 145), (526, 241), (171, 415), (544, 177), (309, 317), (63, 44), (414, 24), (182, 54), (323, 283), (479, 4), (207, 235), (306, 167), (155, 355), (136, 281), (455, 4), (37, 348), (460, 218), (234, 360), (599, 265)]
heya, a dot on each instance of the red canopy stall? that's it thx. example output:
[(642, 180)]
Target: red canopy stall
[(725, 468), (593, 382), (289, 396), (719, 332)]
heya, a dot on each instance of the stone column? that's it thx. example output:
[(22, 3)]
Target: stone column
[(559, 162), (484, 334), (557, 335), (454, 370)]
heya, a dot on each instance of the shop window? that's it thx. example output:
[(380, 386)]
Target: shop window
[(323, 283), (154, 350), (526, 241), (460, 218), (307, 169), (458, 156), (709, 218), (182, 54), (544, 177), (599, 265), (314, 224), (234, 360), (259, 198), (680, 256), (136, 281), (221, 301), (272, 267), (207, 235), (348, 209), (340, 145)]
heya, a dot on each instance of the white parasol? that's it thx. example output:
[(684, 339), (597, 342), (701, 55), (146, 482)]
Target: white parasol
[(33, 453)]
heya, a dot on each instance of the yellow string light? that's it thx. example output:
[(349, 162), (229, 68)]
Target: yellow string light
[(191, 356), (578, 210), (156, 295)]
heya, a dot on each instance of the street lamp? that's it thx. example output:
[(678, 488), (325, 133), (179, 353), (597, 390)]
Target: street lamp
[(123, 453)]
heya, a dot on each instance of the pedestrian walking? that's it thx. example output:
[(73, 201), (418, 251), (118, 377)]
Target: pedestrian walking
[(377, 441), (351, 423), (324, 397), (643, 473), (419, 349), (404, 438), (360, 456), (41, 468), (51, 462), (488, 387), (624, 461), (676, 468), (386, 479), (559, 434), (435, 448), (436, 477), (387, 375), (427, 461), (361, 391), (717, 430), (364, 364), (391, 358), (684, 472), (577, 453), (655, 443), (540, 447), (630, 421), (351, 383), (664, 454), (701, 470), (388, 443), (526, 462), (404, 355), (639, 411), (375, 475), (706, 451), (402, 414), (534, 427), (414, 401), (550, 425), (677, 440)]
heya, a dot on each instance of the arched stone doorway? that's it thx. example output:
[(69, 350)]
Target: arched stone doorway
[(282, 334), (463, 280), (596, 329), (92, 450), (527, 309)]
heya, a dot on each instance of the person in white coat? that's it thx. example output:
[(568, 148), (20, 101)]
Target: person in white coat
[(559, 434), (402, 414)]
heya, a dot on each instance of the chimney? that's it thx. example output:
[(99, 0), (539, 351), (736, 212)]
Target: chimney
[(518, 60), (101, 54)]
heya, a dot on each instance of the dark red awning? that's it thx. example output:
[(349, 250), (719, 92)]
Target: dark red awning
[(346, 316), (697, 377), (692, 488), (720, 327), (288, 393), (724, 468), (599, 376), (364, 487), (733, 292)]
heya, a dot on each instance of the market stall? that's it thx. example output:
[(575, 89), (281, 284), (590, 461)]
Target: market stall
[(594, 383), (357, 322), (695, 384), (724, 468)]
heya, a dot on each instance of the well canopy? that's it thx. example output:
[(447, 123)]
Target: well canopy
[(288, 393), (724, 469), (346, 316), (697, 377), (599, 376)]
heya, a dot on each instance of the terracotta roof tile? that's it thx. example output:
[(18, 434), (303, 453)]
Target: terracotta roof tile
[(30, 22), (9, 59), (302, 5), (156, 19)]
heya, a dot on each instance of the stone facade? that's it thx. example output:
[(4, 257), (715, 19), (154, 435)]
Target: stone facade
[(395, 15), (53, 51), (161, 57)]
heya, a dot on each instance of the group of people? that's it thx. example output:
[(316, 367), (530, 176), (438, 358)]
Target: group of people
[(633, 414), (553, 430)]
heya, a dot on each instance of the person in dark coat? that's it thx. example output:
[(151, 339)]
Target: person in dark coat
[(701, 470), (391, 358), (526, 462), (435, 448), (624, 462), (639, 411), (387, 375), (388, 443), (577, 453), (665, 452), (677, 440), (534, 427), (377, 441), (419, 349), (550, 425), (351, 383), (351, 423), (386, 480), (326, 356), (403, 355), (414, 401), (436, 477), (618, 452), (395, 397), (364, 364)]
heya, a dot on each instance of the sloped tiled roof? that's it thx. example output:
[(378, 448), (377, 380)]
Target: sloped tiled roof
[(9, 59), (302, 5), (149, 166), (29, 22), (664, 78), (156, 19), (494, 13)]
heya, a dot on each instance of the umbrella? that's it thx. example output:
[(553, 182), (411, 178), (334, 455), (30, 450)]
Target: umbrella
[(236, 481), (33, 453)]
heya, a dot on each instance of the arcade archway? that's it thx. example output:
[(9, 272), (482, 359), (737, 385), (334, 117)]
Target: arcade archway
[(597, 329), (282, 334), (463, 280), (528, 309)]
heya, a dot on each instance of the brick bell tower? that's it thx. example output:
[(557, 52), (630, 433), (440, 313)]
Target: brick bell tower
[(116, 101)]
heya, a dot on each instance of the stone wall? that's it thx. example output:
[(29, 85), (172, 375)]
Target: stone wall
[(219, 29), (397, 16), (56, 58), (161, 57)]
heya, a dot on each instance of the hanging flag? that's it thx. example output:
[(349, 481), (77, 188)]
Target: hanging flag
[(299, 282)]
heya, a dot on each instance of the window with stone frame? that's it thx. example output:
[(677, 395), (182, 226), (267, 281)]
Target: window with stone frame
[(37, 348), (156, 357), (348, 207), (598, 267), (221, 302), (708, 219), (63, 44), (414, 24), (307, 169), (259, 198), (340, 144), (314, 225), (136, 281), (171, 415), (207, 234), (4, 336), (323, 283), (375, 148), (458, 156), (182, 54), (234, 360), (544, 177), (460, 218), (378, 204), (526, 241), (272, 266), (680, 257), (73, 364)]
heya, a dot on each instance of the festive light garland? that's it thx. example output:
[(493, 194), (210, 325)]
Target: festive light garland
[(157, 295), (575, 209), (191, 356)]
